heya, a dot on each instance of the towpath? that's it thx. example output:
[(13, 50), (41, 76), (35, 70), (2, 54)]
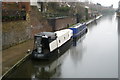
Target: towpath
[(13, 54)]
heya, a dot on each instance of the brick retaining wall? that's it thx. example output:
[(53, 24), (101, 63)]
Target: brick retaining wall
[(15, 32)]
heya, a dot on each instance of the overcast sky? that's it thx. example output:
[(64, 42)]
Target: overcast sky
[(102, 2), (105, 2)]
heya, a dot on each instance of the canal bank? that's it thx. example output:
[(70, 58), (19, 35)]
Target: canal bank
[(17, 55), (13, 63)]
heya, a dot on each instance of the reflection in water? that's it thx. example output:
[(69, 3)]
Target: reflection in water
[(98, 52), (94, 56), (91, 26), (40, 69), (76, 52), (47, 69), (95, 22)]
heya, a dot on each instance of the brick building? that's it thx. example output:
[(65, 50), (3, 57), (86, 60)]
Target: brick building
[(16, 6), (12, 11)]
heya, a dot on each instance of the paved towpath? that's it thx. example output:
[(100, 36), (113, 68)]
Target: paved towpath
[(13, 54)]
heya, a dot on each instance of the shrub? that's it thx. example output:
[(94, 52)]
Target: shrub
[(63, 9)]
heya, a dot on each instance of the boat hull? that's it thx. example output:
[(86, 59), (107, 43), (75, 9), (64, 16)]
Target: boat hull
[(51, 55), (82, 33)]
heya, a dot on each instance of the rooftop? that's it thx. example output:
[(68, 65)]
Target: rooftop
[(61, 32), (77, 25), (46, 34)]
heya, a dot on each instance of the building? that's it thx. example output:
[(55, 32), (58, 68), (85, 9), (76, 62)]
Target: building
[(16, 6), (12, 11)]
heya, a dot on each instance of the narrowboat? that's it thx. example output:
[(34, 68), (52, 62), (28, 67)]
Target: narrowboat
[(78, 30), (46, 43)]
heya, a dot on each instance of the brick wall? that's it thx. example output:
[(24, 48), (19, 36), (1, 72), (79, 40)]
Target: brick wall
[(38, 23), (14, 32), (64, 22), (61, 22), (24, 4), (16, 6), (12, 11)]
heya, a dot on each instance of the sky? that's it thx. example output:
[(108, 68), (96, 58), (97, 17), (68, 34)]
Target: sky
[(102, 2), (105, 2)]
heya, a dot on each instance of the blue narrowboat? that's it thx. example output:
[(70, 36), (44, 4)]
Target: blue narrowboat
[(78, 30)]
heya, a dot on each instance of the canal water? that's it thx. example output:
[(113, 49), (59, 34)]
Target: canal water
[(94, 56)]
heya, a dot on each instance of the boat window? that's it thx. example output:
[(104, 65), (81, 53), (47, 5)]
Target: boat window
[(64, 37), (38, 45), (37, 41)]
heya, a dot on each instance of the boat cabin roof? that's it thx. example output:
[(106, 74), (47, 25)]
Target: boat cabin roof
[(46, 34), (77, 25), (62, 32)]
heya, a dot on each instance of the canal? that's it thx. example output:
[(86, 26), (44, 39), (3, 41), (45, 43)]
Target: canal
[(94, 56)]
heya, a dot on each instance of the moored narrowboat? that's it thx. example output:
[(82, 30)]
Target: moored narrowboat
[(45, 43), (78, 30)]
